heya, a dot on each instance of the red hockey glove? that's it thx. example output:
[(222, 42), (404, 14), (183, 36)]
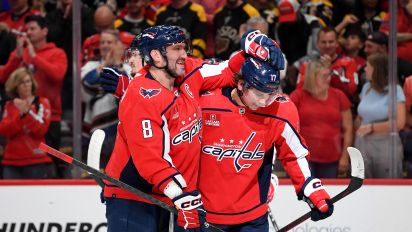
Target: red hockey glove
[(260, 46), (114, 81), (191, 214), (316, 196)]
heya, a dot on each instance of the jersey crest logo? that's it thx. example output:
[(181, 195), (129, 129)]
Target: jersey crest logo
[(188, 91), (149, 93), (212, 120), (240, 155)]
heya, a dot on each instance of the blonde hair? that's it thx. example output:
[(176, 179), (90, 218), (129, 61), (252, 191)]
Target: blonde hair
[(15, 80), (311, 72)]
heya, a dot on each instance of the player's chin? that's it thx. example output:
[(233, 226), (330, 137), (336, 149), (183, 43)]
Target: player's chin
[(180, 70)]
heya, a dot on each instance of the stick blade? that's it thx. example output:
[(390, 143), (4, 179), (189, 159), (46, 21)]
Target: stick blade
[(356, 162), (95, 147)]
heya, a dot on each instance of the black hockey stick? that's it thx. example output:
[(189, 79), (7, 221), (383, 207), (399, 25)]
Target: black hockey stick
[(272, 219), (58, 154), (356, 181)]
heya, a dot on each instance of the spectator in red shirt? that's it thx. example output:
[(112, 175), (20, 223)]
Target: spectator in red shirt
[(344, 73), (49, 65), (14, 18), (326, 121), (24, 124), (104, 18), (404, 27)]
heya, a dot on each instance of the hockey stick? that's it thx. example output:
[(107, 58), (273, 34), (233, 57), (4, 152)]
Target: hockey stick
[(58, 154), (272, 219), (93, 153), (93, 160), (356, 181)]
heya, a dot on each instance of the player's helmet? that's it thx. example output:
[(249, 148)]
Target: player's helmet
[(158, 37), (260, 75)]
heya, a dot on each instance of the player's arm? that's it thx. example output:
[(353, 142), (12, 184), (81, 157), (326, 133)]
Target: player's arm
[(146, 133), (292, 152)]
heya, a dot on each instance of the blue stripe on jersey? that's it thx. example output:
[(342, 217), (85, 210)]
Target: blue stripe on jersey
[(168, 107), (130, 175), (216, 109), (286, 121), (264, 174), (189, 75)]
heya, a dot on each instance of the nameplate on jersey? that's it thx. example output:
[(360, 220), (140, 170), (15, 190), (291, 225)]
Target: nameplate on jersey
[(149, 93)]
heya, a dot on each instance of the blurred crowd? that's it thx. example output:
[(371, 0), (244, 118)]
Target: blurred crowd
[(337, 73)]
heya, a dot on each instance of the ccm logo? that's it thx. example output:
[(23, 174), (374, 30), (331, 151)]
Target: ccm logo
[(188, 204), (317, 184)]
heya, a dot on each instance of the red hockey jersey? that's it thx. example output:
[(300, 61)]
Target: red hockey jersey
[(238, 149), (158, 136)]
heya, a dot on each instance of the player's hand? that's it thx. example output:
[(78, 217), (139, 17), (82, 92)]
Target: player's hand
[(191, 214), (260, 46), (316, 196), (114, 81)]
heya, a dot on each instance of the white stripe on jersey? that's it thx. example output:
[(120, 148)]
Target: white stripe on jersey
[(297, 148), (166, 155), (209, 70), (166, 141)]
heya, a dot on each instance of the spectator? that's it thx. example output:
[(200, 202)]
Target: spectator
[(49, 65), (11, 24), (104, 18), (227, 22), (344, 75), (297, 32), (406, 133), (25, 121), (404, 29), (326, 121), (210, 8), (353, 43), (59, 22), (101, 108), (270, 12), (191, 17), (373, 135), (14, 18), (369, 14), (377, 42), (323, 10), (407, 89), (134, 21)]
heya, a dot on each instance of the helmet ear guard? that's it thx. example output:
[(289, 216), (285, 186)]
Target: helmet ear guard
[(260, 75)]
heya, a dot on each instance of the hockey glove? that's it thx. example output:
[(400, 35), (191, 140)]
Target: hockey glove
[(191, 214), (114, 81), (316, 196), (260, 46)]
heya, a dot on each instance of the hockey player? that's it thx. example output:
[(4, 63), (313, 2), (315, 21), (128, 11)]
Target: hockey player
[(244, 130), (158, 143)]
